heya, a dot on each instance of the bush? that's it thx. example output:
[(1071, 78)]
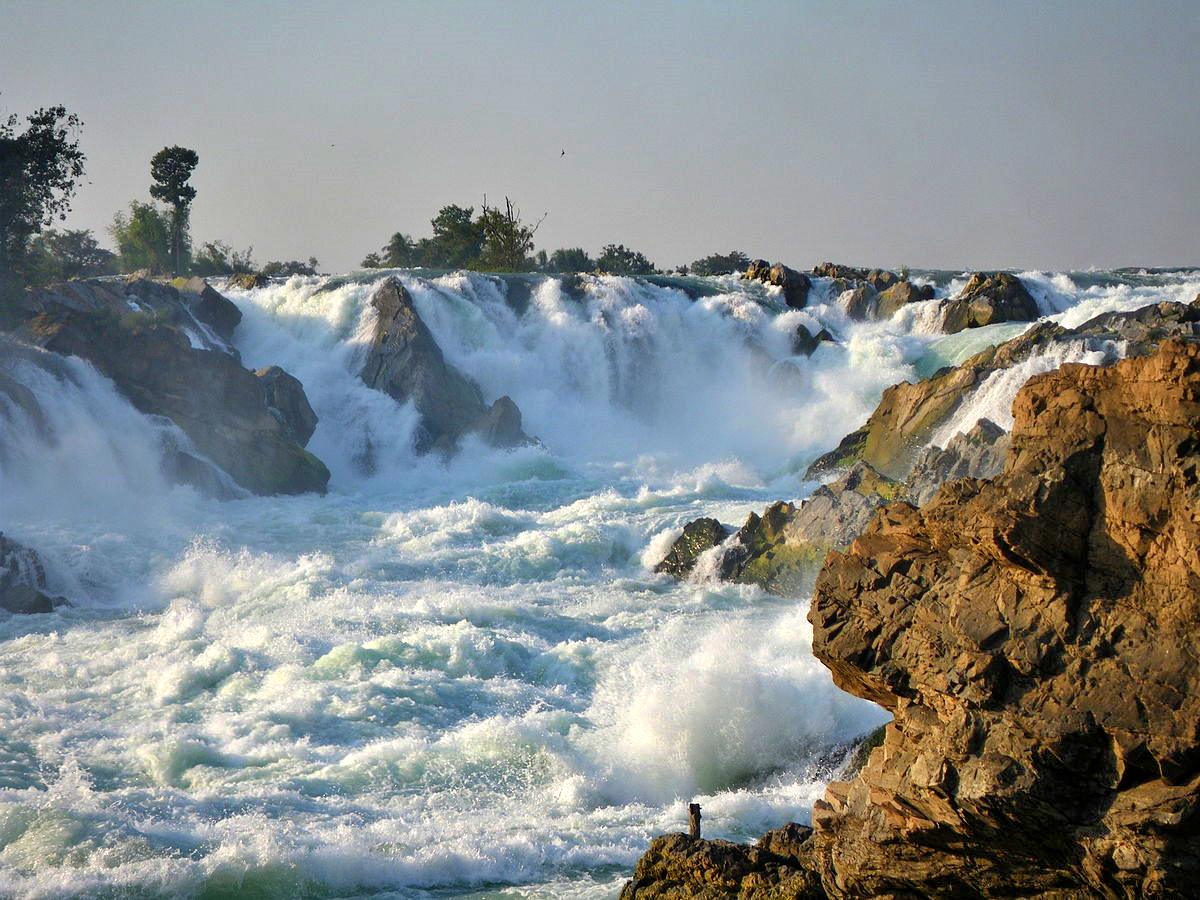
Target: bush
[(721, 264), (143, 238), (617, 259), (570, 259)]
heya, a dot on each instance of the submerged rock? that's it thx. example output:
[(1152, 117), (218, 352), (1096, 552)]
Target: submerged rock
[(1033, 637), (987, 299), (805, 343), (698, 537), (406, 363), (23, 580), (795, 285)]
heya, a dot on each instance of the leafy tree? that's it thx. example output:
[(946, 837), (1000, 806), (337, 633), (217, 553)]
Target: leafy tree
[(400, 252), (143, 238), (372, 261), (39, 168), (170, 168), (293, 267), (617, 259), (457, 240), (70, 254), (507, 241), (218, 258), (570, 259), (721, 263)]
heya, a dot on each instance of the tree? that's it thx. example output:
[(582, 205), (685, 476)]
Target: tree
[(372, 261), (143, 238), (457, 240), (507, 241), (39, 168), (570, 259), (721, 264), (70, 254), (400, 252), (617, 259), (170, 168), (218, 258), (293, 267)]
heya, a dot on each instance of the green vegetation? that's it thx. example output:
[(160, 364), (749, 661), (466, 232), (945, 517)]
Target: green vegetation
[(720, 264), (143, 238), (62, 255), (292, 267), (617, 259), (39, 168), (570, 259), (170, 169), (218, 258)]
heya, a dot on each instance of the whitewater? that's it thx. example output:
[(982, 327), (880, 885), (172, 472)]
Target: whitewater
[(448, 679)]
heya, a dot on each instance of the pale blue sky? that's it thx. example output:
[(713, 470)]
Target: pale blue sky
[(1025, 134)]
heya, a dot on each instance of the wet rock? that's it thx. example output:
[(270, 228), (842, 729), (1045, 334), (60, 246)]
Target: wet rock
[(987, 299), (698, 536), (406, 363), (899, 295), (679, 867), (288, 403), (978, 453), (794, 285), (859, 303), (909, 413), (142, 335), (248, 281), (848, 276), (209, 306), (23, 580), (805, 343)]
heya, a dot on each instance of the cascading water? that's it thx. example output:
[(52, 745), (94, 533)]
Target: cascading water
[(445, 678)]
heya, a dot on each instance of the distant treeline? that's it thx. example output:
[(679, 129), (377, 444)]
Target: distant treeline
[(41, 165)]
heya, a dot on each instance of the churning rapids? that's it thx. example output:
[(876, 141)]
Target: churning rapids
[(451, 679)]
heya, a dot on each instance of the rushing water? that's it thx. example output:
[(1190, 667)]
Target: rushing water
[(443, 680)]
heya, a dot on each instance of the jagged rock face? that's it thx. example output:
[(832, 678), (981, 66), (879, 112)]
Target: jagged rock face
[(210, 307), (795, 285), (248, 281), (698, 536), (1034, 638), (899, 295), (877, 279), (978, 453), (288, 403), (406, 363), (679, 867), (220, 405), (909, 413), (987, 299), (23, 580), (859, 302)]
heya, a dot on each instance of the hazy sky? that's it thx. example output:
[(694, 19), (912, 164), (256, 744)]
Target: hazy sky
[(1027, 134)]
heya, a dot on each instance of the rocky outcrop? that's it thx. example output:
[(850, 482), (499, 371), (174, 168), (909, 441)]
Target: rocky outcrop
[(899, 295), (698, 537), (406, 363), (846, 276), (805, 343), (23, 580), (1033, 637), (210, 307), (987, 299), (147, 338), (909, 413), (248, 281), (288, 403), (978, 453), (794, 285)]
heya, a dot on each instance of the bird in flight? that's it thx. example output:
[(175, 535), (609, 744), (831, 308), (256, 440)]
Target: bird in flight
[(561, 155)]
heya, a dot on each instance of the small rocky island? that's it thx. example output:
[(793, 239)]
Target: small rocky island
[(1026, 607)]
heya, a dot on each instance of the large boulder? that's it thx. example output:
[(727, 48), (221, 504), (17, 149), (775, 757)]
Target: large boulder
[(288, 403), (805, 343), (899, 295), (794, 285), (23, 580), (848, 276), (699, 536), (141, 335), (909, 413), (1033, 637), (987, 299), (209, 306), (405, 362)]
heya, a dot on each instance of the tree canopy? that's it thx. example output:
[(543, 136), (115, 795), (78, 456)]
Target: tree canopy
[(720, 263), (617, 259), (143, 238), (39, 168), (170, 169)]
